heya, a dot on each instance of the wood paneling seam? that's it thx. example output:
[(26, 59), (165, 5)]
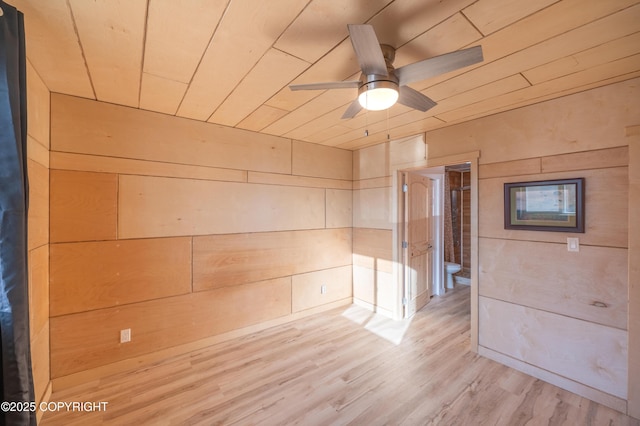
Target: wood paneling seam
[(536, 308)]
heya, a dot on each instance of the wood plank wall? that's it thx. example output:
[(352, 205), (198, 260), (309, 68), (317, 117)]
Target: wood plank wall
[(183, 231), (38, 224), (560, 316), (633, 135), (374, 282), (529, 277)]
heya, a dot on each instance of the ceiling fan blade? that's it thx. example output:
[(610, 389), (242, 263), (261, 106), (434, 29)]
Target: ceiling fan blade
[(367, 48), (328, 85), (353, 109), (414, 99), (439, 65)]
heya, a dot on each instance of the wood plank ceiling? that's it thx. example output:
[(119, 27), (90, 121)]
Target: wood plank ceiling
[(229, 62)]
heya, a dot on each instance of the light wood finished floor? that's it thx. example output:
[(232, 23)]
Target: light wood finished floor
[(346, 366)]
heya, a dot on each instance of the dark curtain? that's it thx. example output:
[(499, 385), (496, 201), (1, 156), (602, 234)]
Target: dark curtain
[(17, 381)]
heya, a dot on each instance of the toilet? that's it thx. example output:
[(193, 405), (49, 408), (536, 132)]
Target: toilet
[(450, 269)]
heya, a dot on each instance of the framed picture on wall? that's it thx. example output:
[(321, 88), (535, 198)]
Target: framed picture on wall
[(550, 205)]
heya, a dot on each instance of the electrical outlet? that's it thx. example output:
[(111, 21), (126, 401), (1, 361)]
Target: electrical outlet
[(125, 335), (323, 289)]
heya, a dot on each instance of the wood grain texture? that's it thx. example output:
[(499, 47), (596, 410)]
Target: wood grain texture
[(159, 207), (37, 152), (268, 378), (292, 180), (105, 371), (373, 183), (95, 275), (588, 392), (339, 207), (596, 159), (454, 98), (371, 162), (633, 133), (229, 260), (162, 323), (160, 94), (176, 39), (376, 288), (562, 345), (333, 17), (574, 124), (96, 163), (53, 46), (87, 127), (547, 45), (606, 208), (321, 161), (112, 36), (373, 248), (408, 152), (372, 208), (38, 213), (254, 89), (611, 50), (241, 53), (529, 42), (261, 118), (608, 73), (40, 362), (38, 289), (38, 143), (490, 16), (510, 270), (83, 206), (528, 166), (306, 289), (37, 107)]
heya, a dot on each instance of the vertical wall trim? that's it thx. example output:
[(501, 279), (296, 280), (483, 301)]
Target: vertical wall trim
[(473, 246), (633, 395)]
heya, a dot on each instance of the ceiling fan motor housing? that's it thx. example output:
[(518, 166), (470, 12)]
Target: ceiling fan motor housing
[(378, 92), (376, 81)]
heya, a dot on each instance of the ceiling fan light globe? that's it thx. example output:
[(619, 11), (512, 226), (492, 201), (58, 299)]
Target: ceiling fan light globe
[(378, 99)]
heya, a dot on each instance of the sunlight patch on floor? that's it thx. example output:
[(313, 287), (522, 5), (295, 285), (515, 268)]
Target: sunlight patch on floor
[(380, 325)]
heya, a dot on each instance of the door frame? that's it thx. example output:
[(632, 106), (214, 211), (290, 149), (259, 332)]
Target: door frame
[(398, 223)]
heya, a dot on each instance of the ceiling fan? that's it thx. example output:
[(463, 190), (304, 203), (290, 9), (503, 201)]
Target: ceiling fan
[(380, 85)]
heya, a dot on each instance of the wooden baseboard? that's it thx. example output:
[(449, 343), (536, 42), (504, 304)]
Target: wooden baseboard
[(373, 308), (94, 374), (600, 397)]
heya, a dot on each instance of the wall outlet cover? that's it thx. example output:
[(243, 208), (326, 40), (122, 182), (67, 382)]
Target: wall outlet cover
[(125, 335)]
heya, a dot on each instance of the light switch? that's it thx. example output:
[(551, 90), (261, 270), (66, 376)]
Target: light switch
[(573, 244)]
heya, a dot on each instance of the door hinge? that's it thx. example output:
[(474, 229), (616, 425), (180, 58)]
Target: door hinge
[(404, 245), (405, 187)]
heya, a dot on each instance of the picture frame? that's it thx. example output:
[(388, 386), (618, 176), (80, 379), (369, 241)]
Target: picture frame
[(548, 205)]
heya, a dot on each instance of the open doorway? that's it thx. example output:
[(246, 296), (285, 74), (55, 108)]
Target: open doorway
[(463, 205), (457, 219)]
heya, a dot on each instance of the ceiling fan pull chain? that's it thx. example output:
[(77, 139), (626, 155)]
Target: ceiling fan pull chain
[(388, 135), (366, 122)]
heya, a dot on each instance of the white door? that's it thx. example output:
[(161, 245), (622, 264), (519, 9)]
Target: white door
[(418, 242)]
